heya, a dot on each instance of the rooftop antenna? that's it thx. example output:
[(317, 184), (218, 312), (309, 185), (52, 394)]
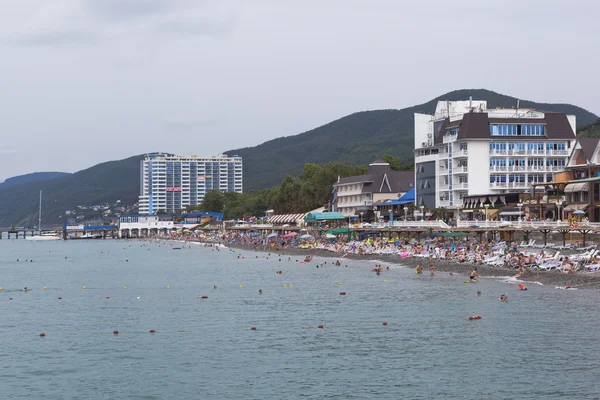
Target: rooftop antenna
[(517, 111), (470, 103)]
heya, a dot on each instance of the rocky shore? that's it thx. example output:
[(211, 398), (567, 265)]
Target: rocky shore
[(581, 280)]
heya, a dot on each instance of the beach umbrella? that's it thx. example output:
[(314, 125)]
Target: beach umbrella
[(306, 236), (272, 235), (330, 236), (289, 235), (579, 212)]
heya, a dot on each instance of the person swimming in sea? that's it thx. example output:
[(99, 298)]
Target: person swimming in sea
[(419, 269), (504, 298), (259, 291), (474, 275)]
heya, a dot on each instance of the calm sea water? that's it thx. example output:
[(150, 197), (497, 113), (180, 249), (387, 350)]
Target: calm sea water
[(542, 344)]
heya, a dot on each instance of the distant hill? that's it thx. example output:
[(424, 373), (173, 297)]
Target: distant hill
[(589, 130), (33, 177), (102, 183), (362, 137)]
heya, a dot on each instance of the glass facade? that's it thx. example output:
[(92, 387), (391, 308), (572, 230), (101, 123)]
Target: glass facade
[(517, 130), (170, 183)]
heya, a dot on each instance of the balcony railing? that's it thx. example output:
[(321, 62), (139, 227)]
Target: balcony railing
[(460, 170)]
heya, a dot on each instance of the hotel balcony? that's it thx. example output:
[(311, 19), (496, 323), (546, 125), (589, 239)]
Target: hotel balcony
[(460, 153), (460, 170)]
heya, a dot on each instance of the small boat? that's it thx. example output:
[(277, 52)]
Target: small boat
[(47, 235), (88, 236)]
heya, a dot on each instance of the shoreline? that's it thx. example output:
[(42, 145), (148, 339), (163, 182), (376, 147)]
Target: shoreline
[(554, 279)]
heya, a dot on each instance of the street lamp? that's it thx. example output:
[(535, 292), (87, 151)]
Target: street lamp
[(520, 205), (422, 214), (486, 206)]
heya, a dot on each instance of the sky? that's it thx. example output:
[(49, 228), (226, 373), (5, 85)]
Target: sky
[(88, 81)]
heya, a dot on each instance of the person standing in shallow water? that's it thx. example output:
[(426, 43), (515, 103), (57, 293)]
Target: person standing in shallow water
[(431, 267)]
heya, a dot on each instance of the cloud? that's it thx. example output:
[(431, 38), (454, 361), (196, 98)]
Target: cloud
[(188, 124), (75, 22), (8, 152)]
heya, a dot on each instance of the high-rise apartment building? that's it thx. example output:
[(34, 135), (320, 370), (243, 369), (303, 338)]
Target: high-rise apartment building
[(170, 183), (466, 149)]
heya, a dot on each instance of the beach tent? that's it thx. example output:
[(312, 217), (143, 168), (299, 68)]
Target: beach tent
[(323, 216), (341, 231)]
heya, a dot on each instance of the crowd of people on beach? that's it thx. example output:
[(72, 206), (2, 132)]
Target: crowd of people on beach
[(467, 249)]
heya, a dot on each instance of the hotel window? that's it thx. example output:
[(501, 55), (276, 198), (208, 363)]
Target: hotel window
[(516, 178), (556, 146), (584, 197), (497, 178), (497, 162)]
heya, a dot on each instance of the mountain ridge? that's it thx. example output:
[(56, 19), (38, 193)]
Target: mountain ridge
[(361, 137), (356, 139), (31, 177)]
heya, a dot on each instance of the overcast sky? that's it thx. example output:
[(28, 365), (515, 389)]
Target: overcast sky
[(86, 81)]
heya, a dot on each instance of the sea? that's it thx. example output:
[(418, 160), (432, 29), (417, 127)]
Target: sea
[(394, 336)]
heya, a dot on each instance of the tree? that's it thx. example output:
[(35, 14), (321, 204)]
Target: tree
[(214, 200)]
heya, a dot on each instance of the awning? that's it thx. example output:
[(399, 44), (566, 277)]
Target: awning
[(573, 207), (577, 187), (285, 218), (511, 213)]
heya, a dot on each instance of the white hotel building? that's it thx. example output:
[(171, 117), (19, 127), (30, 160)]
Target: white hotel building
[(466, 149), (170, 183)]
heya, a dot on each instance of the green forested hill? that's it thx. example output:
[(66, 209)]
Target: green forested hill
[(362, 137), (33, 177), (356, 139), (102, 183), (589, 130)]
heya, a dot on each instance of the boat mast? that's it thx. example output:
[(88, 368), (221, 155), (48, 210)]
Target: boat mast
[(40, 215)]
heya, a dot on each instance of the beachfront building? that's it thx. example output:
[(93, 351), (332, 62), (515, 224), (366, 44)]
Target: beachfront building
[(357, 194), (169, 183), (466, 149)]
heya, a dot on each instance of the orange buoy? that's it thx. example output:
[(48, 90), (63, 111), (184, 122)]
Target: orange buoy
[(342, 293), (42, 334), (385, 324), (205, 297), (320, 326), (152, 331), (253, 328), (115, 332)]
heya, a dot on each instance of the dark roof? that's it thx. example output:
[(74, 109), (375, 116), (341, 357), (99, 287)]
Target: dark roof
[(355, 179), (588, 146), (475, 125), (377, 176)]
